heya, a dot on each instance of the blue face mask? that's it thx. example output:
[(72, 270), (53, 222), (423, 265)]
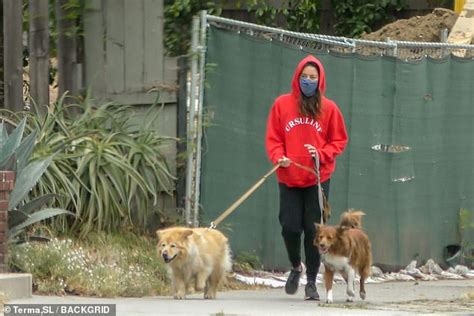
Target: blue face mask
[(308, 87)]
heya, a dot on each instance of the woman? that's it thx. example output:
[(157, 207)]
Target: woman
[(301, 124)]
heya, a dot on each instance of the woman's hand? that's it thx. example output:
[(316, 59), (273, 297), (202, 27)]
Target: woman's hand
[(284, 162), (311, 149)]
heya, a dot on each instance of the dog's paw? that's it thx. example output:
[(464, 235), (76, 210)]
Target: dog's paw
[(350, 292), (362, 295), (179, 296), (208, 296), (329, 299)]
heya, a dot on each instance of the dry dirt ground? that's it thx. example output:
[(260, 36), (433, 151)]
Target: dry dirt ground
[(425, 28)]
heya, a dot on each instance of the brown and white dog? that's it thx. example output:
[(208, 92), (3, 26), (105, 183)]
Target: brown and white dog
[(344, 249), (196, 258)]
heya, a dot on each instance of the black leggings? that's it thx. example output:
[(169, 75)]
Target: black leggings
[(299, 210)]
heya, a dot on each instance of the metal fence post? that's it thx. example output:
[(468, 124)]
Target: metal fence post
[(202, 63), (190, 172)]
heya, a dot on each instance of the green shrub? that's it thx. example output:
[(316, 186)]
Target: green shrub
[(178, 19), (355, 17), (246, 262), (105, 169), (101, 265), (351, 17)]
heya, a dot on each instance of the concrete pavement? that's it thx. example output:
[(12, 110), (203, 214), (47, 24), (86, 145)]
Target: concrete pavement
[(390, 298), (16, 285)]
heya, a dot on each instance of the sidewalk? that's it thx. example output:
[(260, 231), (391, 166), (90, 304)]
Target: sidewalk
[(390, 298)]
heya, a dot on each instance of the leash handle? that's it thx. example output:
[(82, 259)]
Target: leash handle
[(320, 191), (315, 171), (237, 203)]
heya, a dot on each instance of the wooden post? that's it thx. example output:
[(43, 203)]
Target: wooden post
[(13, 54), (2, 68), (7, 182), (326, 15), (39, 53), (67, 55)]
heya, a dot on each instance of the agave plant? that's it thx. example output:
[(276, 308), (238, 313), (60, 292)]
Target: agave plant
[(15, 154), (121, 164), (108, 169)]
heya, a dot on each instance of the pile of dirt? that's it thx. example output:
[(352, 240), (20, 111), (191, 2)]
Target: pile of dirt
[(425, 28)]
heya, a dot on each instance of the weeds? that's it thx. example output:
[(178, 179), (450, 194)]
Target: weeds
[(246, 262), (102, 265)]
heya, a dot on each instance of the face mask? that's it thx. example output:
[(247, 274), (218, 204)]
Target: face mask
[(308, 86)]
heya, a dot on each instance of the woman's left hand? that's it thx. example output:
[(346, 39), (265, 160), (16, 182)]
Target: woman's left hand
[(311, 149)]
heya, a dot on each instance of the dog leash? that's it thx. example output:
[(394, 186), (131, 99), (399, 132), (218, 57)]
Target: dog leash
[(231, 208), (304, 167), (320, 190), (236, 204), (315, 171)]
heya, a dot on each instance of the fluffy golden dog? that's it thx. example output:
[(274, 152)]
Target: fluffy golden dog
[(344, 249), (196, 258)]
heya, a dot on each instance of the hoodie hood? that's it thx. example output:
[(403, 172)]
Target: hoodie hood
[(295, 83), (288, 131)]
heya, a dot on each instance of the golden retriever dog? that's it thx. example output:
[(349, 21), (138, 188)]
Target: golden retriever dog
[(196, 258), (345, 250)]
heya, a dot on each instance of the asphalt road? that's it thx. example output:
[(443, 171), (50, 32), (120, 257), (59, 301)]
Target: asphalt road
[(390, 298)]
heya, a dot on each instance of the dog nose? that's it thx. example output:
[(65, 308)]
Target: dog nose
[(165, 255)]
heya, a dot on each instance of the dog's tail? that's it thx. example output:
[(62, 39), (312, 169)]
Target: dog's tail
[(227, 259), (226, 265), (352, 218)]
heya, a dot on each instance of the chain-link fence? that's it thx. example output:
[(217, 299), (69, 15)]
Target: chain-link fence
[(400, 49), (408, 163)]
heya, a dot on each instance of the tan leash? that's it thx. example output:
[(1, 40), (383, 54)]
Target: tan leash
[(304, 168), (231, 208), (237, 203), (320, 189)]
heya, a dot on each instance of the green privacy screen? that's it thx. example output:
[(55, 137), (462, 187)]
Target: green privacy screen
[(408, 164)]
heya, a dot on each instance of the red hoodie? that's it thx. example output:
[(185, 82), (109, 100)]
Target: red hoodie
[(288, 131)]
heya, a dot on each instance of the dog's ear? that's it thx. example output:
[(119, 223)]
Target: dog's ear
[(186, 233), (318, 226), (163, 233)]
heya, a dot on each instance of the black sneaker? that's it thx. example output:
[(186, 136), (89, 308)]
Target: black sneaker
[(293, 281), (310, 291)]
